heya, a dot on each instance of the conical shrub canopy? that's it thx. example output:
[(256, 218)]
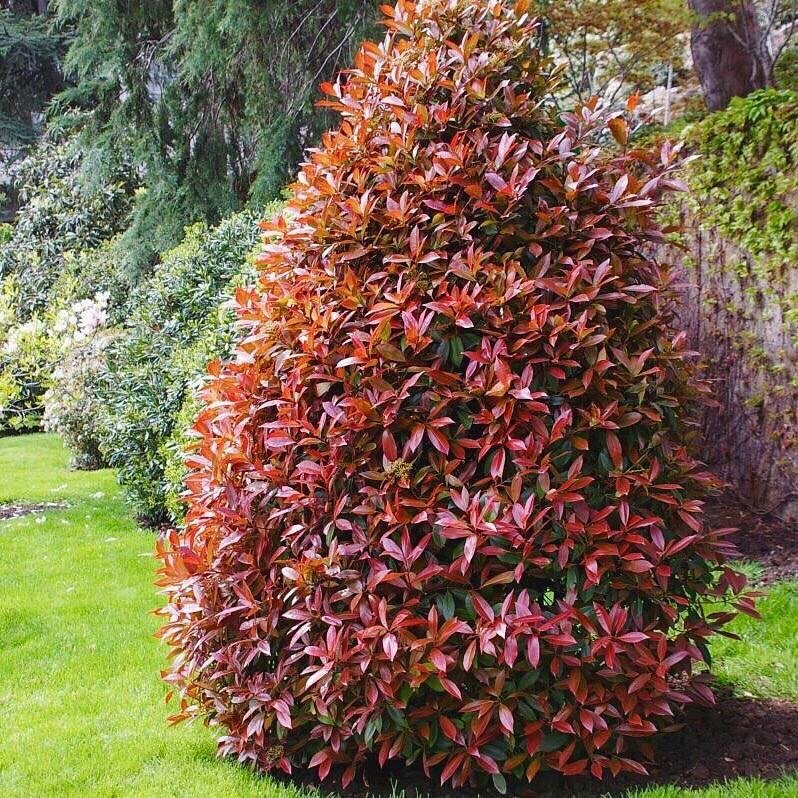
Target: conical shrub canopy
[(441, 509)]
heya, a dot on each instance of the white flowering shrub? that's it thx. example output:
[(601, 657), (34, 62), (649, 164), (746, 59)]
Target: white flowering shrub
[(60, 248), (72, 405)]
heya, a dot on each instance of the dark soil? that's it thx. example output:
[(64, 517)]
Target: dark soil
[(737, 737), (764, 538), (16, 510)]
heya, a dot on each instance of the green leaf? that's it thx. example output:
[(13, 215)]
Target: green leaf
[(553, 741), (445, 604), (456, 349)]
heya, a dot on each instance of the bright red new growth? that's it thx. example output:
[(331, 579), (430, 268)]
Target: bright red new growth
[(441, 509)]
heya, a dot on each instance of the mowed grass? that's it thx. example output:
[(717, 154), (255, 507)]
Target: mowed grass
[(764, 661), (81, 704)]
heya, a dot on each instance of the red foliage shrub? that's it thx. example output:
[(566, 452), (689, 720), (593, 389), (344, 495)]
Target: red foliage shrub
[(442, 508)]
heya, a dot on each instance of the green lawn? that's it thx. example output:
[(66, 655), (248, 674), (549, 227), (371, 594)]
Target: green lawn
[(81, 703)]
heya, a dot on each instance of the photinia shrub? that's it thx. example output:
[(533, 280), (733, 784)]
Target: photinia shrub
[(441, 507)]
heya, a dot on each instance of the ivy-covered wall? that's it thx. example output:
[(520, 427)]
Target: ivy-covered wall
[(741, 294)]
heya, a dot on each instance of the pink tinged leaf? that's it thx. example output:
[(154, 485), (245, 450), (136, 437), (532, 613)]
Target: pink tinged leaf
[(415, 437), (614, 448), (497, 464), (438, 659), (635, 767), (533, 651), (348, 776), (389, 446), (451, 767), (318, 675), (324, 769), (255, 725), (633, 637), (511, 651), (470, 653), (619, 189), (496, 181), (390, 646), (438, 439), (448, 728), (482, 607), (318, 758), (470, 548), (637, 566), (348, 361), (451, 688), (506, 718), (282, 712), (487, 763)]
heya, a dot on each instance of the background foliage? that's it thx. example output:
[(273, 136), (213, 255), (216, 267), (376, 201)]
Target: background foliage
[(611, 47), (61, 215), (176, 324), (30, 72), (62, 223), (213, 99), (746, 181)]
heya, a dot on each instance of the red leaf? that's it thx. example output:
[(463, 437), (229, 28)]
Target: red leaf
[(614, 448)]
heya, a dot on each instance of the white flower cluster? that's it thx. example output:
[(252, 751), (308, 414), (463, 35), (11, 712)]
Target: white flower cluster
[(83, 319), (17, 335), (70, 405)]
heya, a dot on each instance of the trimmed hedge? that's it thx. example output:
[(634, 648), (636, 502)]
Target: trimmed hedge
[(176, 326)]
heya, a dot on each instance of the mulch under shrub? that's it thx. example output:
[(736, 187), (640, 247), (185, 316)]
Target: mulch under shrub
[(737, 737), (763, 538), (8, 511)]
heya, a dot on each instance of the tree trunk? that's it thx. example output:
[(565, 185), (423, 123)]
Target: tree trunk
[(41, 7), (729, 53)]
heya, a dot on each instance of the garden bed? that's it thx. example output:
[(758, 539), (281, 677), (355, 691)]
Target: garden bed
[(8, 511), (762, 538)]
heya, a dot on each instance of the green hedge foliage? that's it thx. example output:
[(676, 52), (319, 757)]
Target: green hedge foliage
[(177, 324)]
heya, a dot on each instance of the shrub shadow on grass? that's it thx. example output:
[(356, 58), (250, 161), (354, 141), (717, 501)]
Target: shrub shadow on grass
[(738, 737), (762, 537)]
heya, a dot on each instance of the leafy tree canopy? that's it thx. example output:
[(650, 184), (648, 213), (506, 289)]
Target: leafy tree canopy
[(609, 47), (214, 98), (29, 70)]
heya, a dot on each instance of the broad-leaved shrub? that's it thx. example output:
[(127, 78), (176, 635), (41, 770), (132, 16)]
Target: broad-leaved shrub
[(73, 405), (442, 509), (60, 250), (177, 324), (26, 354), (61, 213)]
